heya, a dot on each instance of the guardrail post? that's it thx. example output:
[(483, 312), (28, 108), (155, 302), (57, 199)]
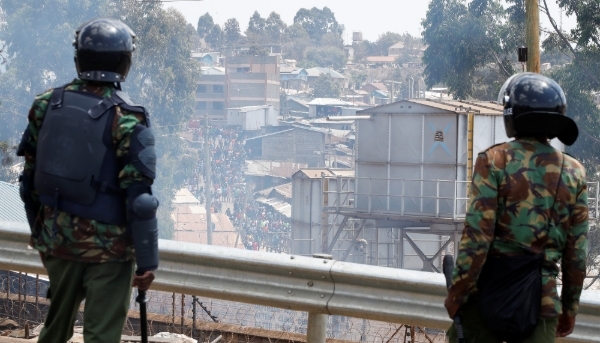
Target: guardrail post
[(316, 331), (317, 328)]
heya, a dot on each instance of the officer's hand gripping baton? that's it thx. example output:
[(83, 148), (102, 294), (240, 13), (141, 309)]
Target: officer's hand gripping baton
[(448, 267), (141, 299)]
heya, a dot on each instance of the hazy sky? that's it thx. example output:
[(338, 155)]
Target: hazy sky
[(371, 17)]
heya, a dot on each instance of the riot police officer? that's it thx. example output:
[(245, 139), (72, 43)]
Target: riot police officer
[(86, 185), (527, 211)]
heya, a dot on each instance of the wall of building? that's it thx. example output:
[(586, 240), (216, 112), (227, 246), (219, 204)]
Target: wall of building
[(211, 96)]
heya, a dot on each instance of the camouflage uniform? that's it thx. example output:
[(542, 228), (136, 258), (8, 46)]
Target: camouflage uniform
[(85, 259), (82, 239), (513, 189)]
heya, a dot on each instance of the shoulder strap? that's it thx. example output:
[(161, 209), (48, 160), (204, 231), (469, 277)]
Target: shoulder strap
[(57, 97), (121, 99)]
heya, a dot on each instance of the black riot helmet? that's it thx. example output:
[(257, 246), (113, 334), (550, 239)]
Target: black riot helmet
[(536, 105), (103, 49)]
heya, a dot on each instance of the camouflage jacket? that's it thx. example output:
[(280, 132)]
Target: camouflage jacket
[(513, 189), (82, 239)]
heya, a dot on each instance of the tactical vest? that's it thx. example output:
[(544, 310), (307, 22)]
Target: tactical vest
[(77, 169)]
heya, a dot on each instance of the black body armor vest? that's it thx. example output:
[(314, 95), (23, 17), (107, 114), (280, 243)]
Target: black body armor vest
[(77, 168)]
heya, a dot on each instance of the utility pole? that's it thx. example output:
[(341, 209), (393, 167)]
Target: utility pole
[(207, 185), (533, 36)]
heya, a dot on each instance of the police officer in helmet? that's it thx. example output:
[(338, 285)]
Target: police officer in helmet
[(86, 185), (528, 210)]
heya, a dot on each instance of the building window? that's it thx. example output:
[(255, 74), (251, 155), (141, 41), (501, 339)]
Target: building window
[(201, 89), (217, 89), (218, 105), (201, 106), (243, 70)]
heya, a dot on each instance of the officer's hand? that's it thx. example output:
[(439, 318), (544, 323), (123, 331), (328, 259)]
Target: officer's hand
[(565, 325), (451, 307), (143, 282)]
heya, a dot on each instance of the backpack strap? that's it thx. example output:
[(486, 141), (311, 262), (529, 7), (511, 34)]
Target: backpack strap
[(121, 99)]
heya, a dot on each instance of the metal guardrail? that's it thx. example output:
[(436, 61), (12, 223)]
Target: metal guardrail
[(318, 286)]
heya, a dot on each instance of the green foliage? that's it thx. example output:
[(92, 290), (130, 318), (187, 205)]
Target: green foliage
[(205, 24), (588, 20), (162, 76), (215, 37), (301, 41), (318, 22), (275, 28), (231, 31), (330, 57), (257, 51), (461, 40), (357, 78), (257, 25), (332, 39), (581, 107), (362, 50), (384, 41), (326, 87)]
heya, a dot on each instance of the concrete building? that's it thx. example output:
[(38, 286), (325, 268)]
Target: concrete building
[(323, 107), (300, 145), (293, 78), (252, 118), (405, 203), (396, 49), (252, 81), (315, 73), (244, 81)]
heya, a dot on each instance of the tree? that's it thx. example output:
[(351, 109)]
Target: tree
[(461, 40), (299, 42), (328, 56), (580, 78), (275, 27), (257, 25), (318, 22), (384, 41), (326, 87), (215, 37), (205, 24), (162, 76), (231, 31), (332, 39), (362, 49)]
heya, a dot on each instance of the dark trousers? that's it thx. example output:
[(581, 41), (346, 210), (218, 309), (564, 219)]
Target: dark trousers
[(475, 330), (106, 288)]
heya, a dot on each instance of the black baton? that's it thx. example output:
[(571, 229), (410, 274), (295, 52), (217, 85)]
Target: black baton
[(141, 299), (448, 267)]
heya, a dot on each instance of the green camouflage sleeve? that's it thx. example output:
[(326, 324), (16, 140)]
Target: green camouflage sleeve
[(574, 257), (478, 231), (123, 126), (35, 119)]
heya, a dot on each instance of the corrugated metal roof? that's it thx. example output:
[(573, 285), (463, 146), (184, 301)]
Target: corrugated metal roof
[(317, 71), (11, 205), (272, 168), (278, 205), (329, 102), (184, 196), (313, 173), (444, 105)]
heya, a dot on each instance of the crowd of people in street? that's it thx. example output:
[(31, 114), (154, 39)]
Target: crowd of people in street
[(261, 226)]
